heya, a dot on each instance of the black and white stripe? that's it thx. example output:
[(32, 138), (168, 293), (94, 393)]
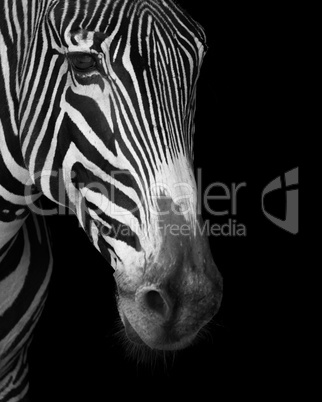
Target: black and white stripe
[(125, 125)]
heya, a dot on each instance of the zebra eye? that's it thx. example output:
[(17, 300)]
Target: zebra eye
[(83, 62)]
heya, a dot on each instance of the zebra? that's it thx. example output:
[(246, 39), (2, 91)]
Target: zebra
[(98, 99)]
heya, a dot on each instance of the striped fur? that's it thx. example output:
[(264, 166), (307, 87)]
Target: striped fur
[(97, 113)]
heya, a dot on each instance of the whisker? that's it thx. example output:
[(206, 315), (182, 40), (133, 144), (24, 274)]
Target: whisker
[(142, 354)]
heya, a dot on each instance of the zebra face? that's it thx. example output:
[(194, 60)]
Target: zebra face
[(118, 121)]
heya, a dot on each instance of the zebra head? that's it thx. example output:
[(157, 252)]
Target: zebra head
[(110, 101)]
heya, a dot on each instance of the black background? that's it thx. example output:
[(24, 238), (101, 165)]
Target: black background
[(247, 127)]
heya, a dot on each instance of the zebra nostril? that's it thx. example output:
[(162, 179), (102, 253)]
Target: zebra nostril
[(156, 303)]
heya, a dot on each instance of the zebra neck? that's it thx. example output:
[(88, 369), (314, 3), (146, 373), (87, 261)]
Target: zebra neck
[(15, 182), (13, 195)]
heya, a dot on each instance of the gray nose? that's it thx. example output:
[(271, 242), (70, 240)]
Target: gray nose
[(155, 302)]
